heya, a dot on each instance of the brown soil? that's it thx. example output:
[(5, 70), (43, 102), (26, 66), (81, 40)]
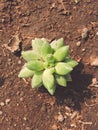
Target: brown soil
[(72, 108)]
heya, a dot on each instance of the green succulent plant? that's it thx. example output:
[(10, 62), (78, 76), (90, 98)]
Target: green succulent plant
[(48, 64)]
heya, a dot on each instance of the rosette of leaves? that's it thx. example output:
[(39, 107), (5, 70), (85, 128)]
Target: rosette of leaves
[(47, 64)]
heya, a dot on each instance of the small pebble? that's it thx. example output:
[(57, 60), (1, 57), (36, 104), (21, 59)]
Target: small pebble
[(15, 125), (25, 118), (9, 60), (74, 115), (65, 117), (68, 114), (78, 43), (73, 125), (68, 109), (84, 33), (77, 1), (54, 127), (23, 124), (94, 80), (79, 59), (1, 112), (83, 49), (17, 104), (97, 33), (60, 118), (94, 61), (28, 128), (2, 104), (19, 62), (53, 6), (21, 99), (7, 101)]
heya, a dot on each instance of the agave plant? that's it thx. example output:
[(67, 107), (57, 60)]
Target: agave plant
[(48, 64)]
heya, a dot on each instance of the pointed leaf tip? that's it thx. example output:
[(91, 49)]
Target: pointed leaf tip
[(71, 63), (56, 44), (35, 65), (25, 73), (29, 55), (61, 53), (37, 80), (62, 68), (61, 80), (48, 81)]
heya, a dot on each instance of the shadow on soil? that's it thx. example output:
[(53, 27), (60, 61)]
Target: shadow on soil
[(1, 81), (77, 91)]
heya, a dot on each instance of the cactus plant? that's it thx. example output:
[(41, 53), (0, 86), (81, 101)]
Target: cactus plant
[(48, 64)]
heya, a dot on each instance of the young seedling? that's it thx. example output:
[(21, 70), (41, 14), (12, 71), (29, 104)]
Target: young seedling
[(48, 64)]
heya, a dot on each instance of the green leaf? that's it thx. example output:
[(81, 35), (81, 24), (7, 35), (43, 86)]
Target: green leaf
[(41, 47), (37, 80), (37, 44), (25, 73), (71, 62), (61, 53), (57, 44), (29, 55), (61, 80), (35, 65), (49, 59), (52, 90), (49, 81), (62, 68), (68, 77), (45, 49)]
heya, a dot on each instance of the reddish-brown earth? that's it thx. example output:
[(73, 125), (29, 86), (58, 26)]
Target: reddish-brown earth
[(72, 108)]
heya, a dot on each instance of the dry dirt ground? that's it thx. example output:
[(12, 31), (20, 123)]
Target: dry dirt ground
[(72, 108)]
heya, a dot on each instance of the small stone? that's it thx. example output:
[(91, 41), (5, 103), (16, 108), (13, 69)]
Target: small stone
[(53, 6), (77, 1), (15, 125), (23, 124), (54, 127), (84, 33), (1, 112), (19, 62), (65, 117), (25, 118), (83, 49), (7, 101), (68, 114), (97, 33), (94, 80), (78, 43), (28, 128), (68, 109), (74, 115), (78, 59), (52, 102), (73, 125), (94, 61), (60, 118), (9, 60), (2, 104), (21, 99), (17, 104)]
